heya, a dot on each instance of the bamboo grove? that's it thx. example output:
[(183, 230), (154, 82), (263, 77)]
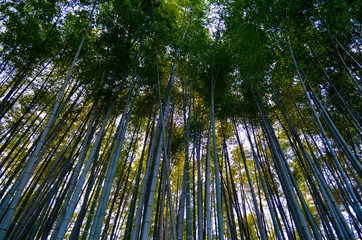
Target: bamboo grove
[(180, 119)]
